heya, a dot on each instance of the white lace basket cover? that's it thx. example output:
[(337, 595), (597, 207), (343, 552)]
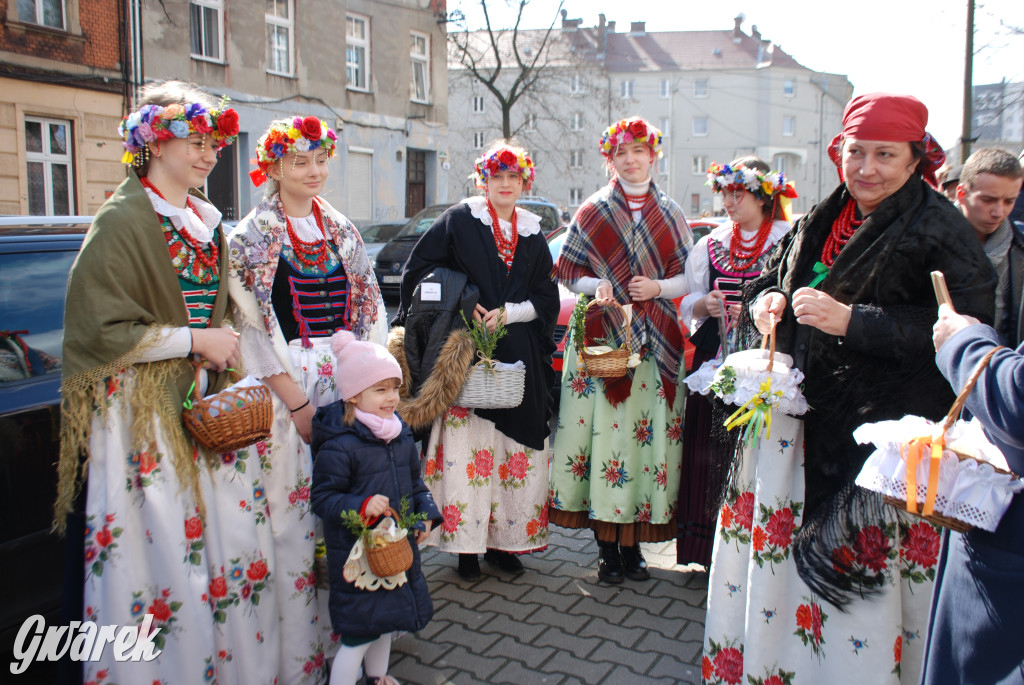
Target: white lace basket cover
[(976, 490), (357, 567), (739, 378)]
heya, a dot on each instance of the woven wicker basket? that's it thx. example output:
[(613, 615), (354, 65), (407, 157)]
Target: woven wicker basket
[(492, 388), (390, 558), (612, 364), (230, 419), (951, 417)]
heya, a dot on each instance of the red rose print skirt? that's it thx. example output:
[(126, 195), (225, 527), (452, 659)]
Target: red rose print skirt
[(765, 626)]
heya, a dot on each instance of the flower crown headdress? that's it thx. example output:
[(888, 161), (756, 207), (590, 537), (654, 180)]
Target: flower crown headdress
[(723, 177), (626, 131), (299, 135), (503, 158), (163, 122)]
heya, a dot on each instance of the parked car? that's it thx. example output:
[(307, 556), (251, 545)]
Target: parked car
[(36, 254), (377, 235), (550, 218)]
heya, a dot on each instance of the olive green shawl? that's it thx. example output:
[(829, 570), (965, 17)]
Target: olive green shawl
[(121, 291)]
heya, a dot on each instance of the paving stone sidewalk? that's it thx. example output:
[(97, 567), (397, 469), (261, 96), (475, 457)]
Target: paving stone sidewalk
[(557, 623)]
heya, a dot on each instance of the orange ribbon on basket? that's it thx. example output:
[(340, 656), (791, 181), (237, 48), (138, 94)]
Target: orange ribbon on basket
[(913, 452)]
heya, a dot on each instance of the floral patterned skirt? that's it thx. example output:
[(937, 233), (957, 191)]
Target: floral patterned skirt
[(766, 627), (491, 490), (621, 464)]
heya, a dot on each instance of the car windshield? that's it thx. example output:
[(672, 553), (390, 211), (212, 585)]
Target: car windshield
[(33, 326), (380, 233), (423, 220), (549, 219)]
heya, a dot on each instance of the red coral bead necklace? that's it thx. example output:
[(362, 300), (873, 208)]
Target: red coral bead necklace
[(506, 247), (744, 252), (314, 252), (211, 261), (843, 229)]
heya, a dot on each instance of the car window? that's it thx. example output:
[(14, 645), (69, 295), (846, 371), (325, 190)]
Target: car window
[(423, 220), (32, 287), (380, 233), (549, 219)]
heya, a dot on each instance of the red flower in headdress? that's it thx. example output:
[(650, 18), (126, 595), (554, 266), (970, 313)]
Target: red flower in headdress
[(227, 123), (311, 128), (638, 129), (508, 158)]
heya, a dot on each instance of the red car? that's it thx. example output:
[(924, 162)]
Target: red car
[(568, 303)]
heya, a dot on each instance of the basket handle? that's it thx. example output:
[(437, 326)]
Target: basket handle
[(769, 338), (624, 321), (961, 399), (197, 363)]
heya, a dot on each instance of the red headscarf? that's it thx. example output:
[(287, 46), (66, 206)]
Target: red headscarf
[(892, 118)]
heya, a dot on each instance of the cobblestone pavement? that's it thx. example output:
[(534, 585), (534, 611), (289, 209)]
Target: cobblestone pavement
[(557, 623)]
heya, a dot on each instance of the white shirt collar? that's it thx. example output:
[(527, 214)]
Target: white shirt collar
[(199, 227)]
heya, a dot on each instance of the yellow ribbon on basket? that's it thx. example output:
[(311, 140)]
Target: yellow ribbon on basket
[(913, 452), (756, 412)]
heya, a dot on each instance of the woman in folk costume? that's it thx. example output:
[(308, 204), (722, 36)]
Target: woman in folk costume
[(144, 298), (757, 202), (618, 447), (488, 468), (298, 274), (814, 579)]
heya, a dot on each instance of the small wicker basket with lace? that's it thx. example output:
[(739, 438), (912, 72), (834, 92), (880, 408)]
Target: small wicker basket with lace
[(611, 364), (388, 557), (491, 385), (233, 418)]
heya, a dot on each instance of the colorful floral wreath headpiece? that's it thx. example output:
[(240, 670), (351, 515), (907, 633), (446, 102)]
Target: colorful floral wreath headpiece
[(627, 131), (722, 177), (156, 122), (299, 135), (503, 158)]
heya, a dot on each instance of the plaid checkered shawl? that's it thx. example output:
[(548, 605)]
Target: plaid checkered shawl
[(603, 242)]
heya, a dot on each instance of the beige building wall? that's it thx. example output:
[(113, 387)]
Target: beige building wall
[(97, 151)]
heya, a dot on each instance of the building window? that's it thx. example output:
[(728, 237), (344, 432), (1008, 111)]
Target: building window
[(531, 122), (663, 165), (788, 126), (789, 88), (576, 123), (575, 85), (575, 196), (478, 104), (357, 51), (280, 23), (478, 140), (575, 159), (700, 88), (50, 171), (663, 125), (43, 12), (700, 164), (779, 164), (419, 54), (695, 204), (700, 126), (207, 23), (666, 87), (626, 89)]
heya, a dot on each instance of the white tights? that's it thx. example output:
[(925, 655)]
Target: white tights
[(376, 654)]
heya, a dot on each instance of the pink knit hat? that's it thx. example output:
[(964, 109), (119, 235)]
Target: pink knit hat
[(361, 364)]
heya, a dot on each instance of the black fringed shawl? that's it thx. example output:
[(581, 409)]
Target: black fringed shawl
[(884, 368)]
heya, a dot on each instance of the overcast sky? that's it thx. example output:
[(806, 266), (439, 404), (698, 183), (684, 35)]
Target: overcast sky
[(901, 46)]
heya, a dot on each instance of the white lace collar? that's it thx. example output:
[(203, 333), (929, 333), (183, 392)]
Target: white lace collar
[(527, 223), (199, 227)]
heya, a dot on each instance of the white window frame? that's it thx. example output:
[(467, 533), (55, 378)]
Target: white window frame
[(700, 88), (576, 123), (351, 42), (779, 164), (576, 85), (663, 165), (48, 159), (288, 24), (38, 20), (789, 87), (479, 140), (218, 7), (663, 123), (575, 197), (478, 104), (575, 159), (699, 165), (666, 88), (626, 88), (422, 59), (531, 123), (700, 126), (789, 126)]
